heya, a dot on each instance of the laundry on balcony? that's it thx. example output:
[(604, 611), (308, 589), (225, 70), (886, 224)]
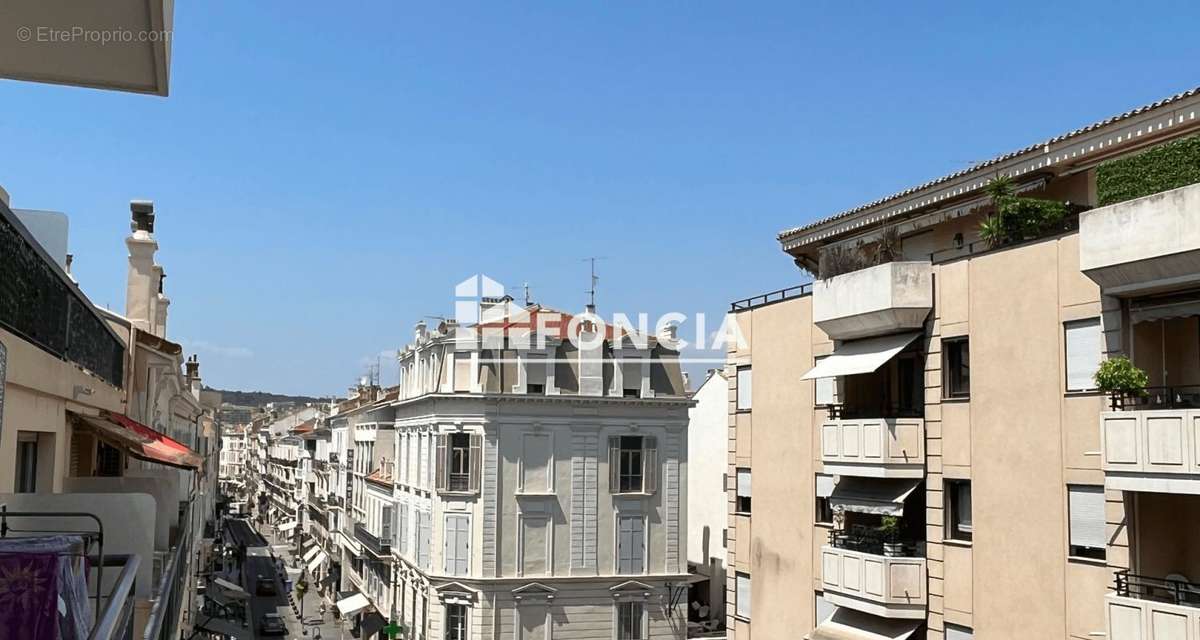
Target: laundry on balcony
[(848, 624), (44, 589), (880, 496), (860, 356), (142, 442)]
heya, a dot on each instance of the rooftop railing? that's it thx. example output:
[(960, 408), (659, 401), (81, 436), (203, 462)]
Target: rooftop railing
[(39, 303), (1168, 397), (771, 297), (1179, 592)]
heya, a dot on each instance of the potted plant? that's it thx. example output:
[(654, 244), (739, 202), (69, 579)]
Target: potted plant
[(889, 528), (1121, 379)]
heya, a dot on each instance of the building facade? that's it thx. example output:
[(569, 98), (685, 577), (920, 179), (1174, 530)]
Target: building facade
[(932, 452)]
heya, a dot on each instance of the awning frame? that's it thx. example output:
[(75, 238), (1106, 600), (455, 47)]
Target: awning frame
[(864, 355)]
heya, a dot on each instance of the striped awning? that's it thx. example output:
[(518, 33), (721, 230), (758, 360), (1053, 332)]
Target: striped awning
[(142, 442)]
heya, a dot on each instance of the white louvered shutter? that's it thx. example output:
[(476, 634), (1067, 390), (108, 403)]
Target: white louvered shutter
[(1084, 352), (1086, 506)]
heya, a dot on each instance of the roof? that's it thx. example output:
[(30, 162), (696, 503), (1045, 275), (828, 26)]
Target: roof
[(535, 316), (1037, 147), (379, 477)]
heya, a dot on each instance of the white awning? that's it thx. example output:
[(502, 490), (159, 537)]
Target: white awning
[(353, 604), (311, 552), (287, 526), (316, 562), (860, 356), (231, 589), (884, 496), (848, 624), (1149, 311)]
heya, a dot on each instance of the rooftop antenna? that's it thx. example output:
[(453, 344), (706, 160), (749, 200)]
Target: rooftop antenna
[(595, 279), (528, 300)]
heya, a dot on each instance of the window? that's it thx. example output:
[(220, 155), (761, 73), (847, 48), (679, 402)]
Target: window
[(1085, 504), (958, 510), (956, 365), (631, 377), (460, 462), (385, 524), (742, 595), (535, 540), (423, 536), (629, 620), (1084, 352), (456, 622), (631, 545), (457, 543), (633, 464), (824, 510), (744, 388), (536, 463), (402, 529), (108, 460), (743, 491), (27, 460)]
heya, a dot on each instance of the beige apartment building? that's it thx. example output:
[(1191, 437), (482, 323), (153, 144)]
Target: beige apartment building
[(931, 453)]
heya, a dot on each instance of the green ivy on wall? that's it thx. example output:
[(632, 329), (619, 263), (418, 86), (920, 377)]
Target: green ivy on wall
[(1162, 168)]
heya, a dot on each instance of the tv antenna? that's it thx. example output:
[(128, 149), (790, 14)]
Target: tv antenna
[(595, 279)]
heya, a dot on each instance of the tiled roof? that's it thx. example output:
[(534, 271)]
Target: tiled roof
[(556, 323), (998, 159)]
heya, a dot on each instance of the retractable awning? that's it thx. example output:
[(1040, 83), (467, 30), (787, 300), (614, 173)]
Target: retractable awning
[(1164, 308), (883, 496), (312, 552), (353, 604), (231, 589), (316, 562), (143, 442), (287, 526), (860, 356), (848, 624)]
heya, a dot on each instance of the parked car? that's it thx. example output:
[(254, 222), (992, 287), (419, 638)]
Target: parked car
[(265, 586), (271, 624)]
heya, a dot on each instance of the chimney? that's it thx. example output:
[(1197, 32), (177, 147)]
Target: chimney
[(161, 302), (4, 196), (591, 359), (192, 368), (419, 332), (141, 290)]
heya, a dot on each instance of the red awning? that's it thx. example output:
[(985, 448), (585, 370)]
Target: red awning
[(142, 442)]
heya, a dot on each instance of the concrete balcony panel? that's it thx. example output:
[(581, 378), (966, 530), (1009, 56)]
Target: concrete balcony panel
[(116, 44), (1144, 245), (886, 298), (1137, 619), (874, 447), (1155, 451), (879, 585)]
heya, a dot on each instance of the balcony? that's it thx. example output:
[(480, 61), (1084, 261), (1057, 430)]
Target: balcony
[(1153, 445), (1144, 245), (1144, 608), (856, 574), (137, 61), (378, 546), (883, 299), (874, 447)]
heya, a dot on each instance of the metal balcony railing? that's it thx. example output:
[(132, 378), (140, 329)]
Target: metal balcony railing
[(1178, 592), (1171, 397), (842, 412), (868, 540), (378, 546), (115, 619), (39, 303), (773, 296), (163, 621)]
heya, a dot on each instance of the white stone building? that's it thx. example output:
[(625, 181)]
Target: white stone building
[(708, 459)]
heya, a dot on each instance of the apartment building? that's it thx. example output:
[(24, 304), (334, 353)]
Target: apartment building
[(931, 450), (232, 469), (708, 459), (538, 489), (105, 432)]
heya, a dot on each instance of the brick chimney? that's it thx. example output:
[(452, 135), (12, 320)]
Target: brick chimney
[(144, 278)]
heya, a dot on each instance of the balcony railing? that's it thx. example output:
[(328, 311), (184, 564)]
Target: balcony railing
[(774, 296), (1180, 592), (874, 447), (378, 546), (1152, 449), (872, 541), (39, 303), (459, 482), (163, 622), (1170, 397), (887, 586)]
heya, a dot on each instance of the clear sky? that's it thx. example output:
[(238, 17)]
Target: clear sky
[(325, 173)]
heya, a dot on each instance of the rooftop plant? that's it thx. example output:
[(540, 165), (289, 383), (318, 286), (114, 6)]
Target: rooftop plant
[(1162, 168), (1016, 218), (839, 259)]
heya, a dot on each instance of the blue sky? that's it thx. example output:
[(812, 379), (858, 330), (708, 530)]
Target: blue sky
[(324, 177)]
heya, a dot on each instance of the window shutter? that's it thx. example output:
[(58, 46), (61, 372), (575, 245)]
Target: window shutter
[(638, 548), (743, 483), (463, 550), (402, 529), (614, 464), (742, 594), (1086, 506), (650, 464), (955, 632), (385, 523), (423, 537), (441, 477), (624, 545), (1084, 353), (476, 460), (449, 546), (824, 485), (744, 388), (825, 609)]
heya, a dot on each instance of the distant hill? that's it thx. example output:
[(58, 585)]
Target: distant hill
[(261, 398)]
